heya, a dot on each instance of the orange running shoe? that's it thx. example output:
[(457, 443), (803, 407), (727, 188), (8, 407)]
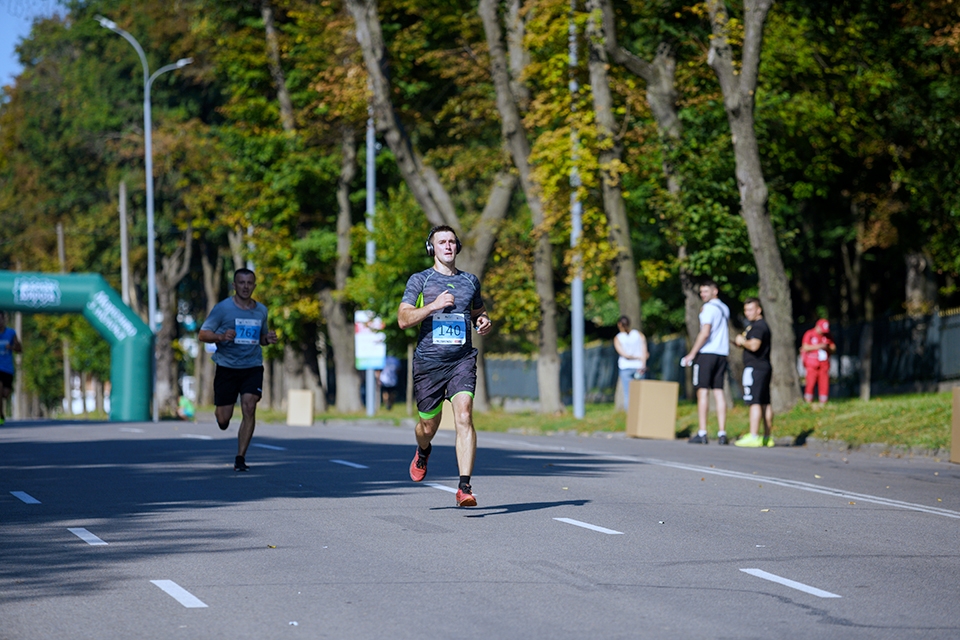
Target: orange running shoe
[(465, 497), (418, 468)]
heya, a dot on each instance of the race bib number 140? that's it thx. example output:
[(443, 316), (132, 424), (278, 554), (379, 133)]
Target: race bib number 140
[(449, 328), (248, 331)]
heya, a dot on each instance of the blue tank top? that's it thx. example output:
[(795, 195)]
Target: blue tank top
[(6, 350)]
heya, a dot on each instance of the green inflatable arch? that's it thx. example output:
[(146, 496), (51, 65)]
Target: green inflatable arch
[(131, 342)]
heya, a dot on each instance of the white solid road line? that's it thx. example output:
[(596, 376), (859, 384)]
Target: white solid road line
[(442, 487), (820, 593), (790, 484), (26, 497), (587, 525), (806, 486), (180, 594), (347, 463), (86, 536), (272, 447), (196, 436)]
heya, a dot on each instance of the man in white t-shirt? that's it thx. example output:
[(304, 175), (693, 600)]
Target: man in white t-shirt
[(709, 359)]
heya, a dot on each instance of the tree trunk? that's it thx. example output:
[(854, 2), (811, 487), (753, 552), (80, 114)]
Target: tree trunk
[(212, 283), (625, 267), (515, 136), (921, 286), (174, 268), (339, 317), (423, 181), (866, 344), (738, 96), (276, 71)]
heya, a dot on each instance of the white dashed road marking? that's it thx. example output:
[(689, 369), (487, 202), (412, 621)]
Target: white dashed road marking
[(131, 430), (820, 593), (272, 447), (180, 594), (587, 525), (26, 497), (347, 463), (86, 536), (196, 436), (437, 485)]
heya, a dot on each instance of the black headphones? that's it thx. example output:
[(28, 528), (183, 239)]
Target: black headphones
[(429, 243)]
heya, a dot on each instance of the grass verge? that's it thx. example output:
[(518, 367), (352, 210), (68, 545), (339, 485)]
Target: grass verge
[(921, 420)]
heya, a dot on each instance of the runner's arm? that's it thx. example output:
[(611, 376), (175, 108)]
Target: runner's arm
[(15, 346), (481, 320)]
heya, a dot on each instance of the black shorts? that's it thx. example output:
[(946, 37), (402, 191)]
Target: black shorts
[(756, 383), (230, 383), (434, 382), (6, 379), (709, 370)]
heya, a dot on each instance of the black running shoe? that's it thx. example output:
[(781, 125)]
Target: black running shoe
[(722, 439), (240, 464), (698, 439)]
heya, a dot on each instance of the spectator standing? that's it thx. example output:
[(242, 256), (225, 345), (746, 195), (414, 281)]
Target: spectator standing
[(815, 348), (755, 342), (708, 356), (389, 377), (631, 346)]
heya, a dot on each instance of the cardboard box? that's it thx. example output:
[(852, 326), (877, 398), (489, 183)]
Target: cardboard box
[(299, 408), (653, 409), (955, 431)]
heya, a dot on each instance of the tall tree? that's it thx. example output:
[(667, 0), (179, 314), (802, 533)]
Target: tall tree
[(611, 165), (739, 88), (422, 179), (518, 143)]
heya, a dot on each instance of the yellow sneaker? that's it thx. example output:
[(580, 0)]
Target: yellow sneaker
[(749, 440)]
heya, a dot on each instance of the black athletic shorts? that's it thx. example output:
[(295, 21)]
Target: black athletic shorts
[(230, 383), (756, 383), (6, 379), (709, 370), (434, 382)]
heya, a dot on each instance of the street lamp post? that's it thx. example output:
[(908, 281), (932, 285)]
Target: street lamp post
[(148, 152)]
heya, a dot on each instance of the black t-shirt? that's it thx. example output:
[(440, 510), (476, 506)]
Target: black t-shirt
[(757, 330)]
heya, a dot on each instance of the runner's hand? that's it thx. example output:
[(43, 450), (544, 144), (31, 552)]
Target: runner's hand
[(229, 335), (271, 337), (443, 301), (484, 325)]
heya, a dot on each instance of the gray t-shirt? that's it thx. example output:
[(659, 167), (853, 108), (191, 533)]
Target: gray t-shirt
[(445, 335), (245, 350)]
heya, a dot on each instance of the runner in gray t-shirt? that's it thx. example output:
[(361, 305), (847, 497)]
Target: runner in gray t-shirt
[(238, 326), (446, 303)]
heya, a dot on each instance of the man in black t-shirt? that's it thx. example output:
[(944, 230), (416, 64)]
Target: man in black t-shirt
[(755, 341)]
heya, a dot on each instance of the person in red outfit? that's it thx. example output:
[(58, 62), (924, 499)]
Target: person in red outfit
[(816, 347)]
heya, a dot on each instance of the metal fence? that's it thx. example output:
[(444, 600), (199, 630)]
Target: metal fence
[(909, 354)]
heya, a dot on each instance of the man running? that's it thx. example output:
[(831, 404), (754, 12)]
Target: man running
[(757, 372), (9, 343), (238, 326), (446, 303)]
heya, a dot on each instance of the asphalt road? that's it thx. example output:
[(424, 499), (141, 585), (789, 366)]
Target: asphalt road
[(145, 531)]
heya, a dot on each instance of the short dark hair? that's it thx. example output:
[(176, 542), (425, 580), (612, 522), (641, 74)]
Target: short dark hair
[(243, 271), (625, 321), (709, 282), (439, 228), (754, 300)]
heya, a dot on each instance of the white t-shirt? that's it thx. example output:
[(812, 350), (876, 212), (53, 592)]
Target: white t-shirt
[(631, 344), (716, 314)]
